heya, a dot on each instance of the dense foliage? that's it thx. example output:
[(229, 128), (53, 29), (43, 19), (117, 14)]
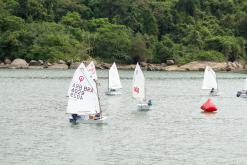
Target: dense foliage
[(125, 31)]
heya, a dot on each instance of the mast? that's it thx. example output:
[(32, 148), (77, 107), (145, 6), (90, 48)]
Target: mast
[(98, 96), (109, 80)]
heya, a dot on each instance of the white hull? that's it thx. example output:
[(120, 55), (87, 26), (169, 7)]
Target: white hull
[(91, 121), (215, 93), (242, 94), (143, 107), (113, 93)]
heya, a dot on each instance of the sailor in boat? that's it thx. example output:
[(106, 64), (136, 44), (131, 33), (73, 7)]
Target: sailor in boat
[(74, 118), (97, 116), (112, 90), (212, 91)]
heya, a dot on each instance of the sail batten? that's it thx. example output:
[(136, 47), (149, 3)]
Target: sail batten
[(114, 79), (138, 88), (83, 97), (209, 80)]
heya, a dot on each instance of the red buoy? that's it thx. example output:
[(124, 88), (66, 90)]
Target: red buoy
[(209, 106)]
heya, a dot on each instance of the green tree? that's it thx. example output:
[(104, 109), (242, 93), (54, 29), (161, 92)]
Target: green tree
[(113, 42)]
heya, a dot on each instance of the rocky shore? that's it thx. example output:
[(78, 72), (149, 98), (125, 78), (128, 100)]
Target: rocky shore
[(168, 66)]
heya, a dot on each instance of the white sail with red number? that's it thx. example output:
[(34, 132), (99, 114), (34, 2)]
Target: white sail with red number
[(138, 88), (82, 92)]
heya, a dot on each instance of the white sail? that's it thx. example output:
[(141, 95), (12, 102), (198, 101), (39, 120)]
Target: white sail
[(91, 69), (83, 97), (209, 80), (114, 80), (245, 84), (138, 89)]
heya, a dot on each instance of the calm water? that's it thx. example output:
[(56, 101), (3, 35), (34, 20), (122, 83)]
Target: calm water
[(34, 129)]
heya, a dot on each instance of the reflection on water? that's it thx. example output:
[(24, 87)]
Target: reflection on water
[(34, 128)]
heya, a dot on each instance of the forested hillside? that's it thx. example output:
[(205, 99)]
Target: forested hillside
[(125, 31)]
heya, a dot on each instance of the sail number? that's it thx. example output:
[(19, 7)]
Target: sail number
[(78, 91), (136, 89)]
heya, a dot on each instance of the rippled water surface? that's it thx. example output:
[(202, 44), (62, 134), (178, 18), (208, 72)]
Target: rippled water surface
[(34, 129)]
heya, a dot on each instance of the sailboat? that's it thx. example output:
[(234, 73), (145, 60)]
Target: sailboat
[(83, 103), (138, 89), (114, 83), (209, 81), (243, 93)]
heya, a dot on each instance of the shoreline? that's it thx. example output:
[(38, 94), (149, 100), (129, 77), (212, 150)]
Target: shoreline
[(236, 66)]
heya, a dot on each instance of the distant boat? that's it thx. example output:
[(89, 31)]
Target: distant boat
[(210, 82), (138, 89), (243, 93), (83, 104), (114, 83)]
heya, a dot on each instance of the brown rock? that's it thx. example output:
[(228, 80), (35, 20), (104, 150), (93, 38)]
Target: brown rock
[(61, 62), (235, 66), (41, 62), (170, 62), (47, 64), (19, 64), (34, 63), (163, 64), (200, 65)]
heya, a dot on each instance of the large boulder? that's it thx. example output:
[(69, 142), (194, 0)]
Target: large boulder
[(58, 66), (47, 64), (154, 67), (19, 64), (235, 66), (61, 62), (201, 65), (41, 62), (170, 62), (34, 63)]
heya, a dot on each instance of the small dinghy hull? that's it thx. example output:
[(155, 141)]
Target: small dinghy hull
[(242, 94), (113, 93), (143, 107), (83, 120), (215, 93)]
